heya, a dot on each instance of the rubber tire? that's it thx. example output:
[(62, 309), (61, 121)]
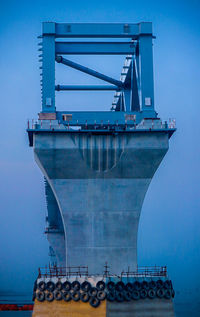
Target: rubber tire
[(119, 296), (59, 286), (111, 296), (49, 296), (127, 296), (160, 293), (101, 295), (110, 286), (137, 286), (168, 294), (152, 284), (93, 292), (40, 296), (50, 286), (85, 286), (75, 296), (151, 293), (145, 285), (66, 296), (143, 293), (135, 294), (76, 286), (159, 284), (84, 297), (129, 287), (167, 284), (100, 285), (67, 286), (42, 286), (120, 286), (58, 295), (94, 302)]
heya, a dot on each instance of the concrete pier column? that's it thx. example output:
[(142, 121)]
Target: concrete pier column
[(99, 183)]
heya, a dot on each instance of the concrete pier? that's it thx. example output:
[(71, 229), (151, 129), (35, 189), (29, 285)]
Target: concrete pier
[(99, 182)]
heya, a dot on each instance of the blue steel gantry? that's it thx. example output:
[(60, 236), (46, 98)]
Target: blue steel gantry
[(133, 92)]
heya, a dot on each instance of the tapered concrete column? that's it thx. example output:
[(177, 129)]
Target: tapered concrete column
[(99, 182)]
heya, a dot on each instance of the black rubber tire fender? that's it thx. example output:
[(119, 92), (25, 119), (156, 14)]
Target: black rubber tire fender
[(75, 295), (40, 296), (110, 286), (67, 286), (58, 295), (127, 295), (143, 293), (94, 302), (129, 287), (76, 285), (160, 293), (119, 297), (66, 295), (159, 284), (85, 286), (152, 284), (111, 296), (167, 284), (50, 286), (173, 293), (137, 286), (145, 285), (49, 296), (93, 292), (85, 297), (168, 294), (59, 286), (42, 286), (151, 293), (100, 285), (120, 286), (135, 294), (101, 295)]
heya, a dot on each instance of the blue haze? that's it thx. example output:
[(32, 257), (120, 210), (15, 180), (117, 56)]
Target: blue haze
[(169, 231)]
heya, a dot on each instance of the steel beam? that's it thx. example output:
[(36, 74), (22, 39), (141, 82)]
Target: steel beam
[(88, 71), (98, 30), (95, 48), (85, 87), (48, 74)]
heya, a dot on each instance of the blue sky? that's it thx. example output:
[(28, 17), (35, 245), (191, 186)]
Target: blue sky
[(169, 228)]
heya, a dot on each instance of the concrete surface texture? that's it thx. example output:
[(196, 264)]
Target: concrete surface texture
[(99, 183)]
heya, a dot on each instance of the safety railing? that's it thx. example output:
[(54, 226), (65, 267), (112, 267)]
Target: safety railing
[(145, 124), (82, 271)]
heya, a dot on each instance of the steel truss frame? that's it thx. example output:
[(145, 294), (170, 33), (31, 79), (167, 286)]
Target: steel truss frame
[(133, 92)]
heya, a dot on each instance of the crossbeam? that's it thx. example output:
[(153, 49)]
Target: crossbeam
[(86, 87), (97, 30), (89, 71), (95, 48)]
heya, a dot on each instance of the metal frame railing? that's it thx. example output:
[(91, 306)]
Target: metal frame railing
[(38, 124), (82, 271)]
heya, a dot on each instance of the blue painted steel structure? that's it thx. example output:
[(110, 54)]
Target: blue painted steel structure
[(134, 90)]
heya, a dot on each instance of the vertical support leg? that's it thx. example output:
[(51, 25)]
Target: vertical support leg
[(48, 67), (146, 70), (135, 104)]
